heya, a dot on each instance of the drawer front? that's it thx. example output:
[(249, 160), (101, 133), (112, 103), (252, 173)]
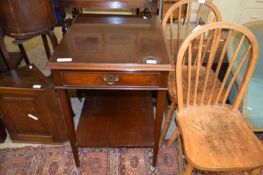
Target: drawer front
[(251, 15), (254, 4), (110, 79)]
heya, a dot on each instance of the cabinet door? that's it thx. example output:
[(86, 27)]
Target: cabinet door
[(24, 118), (251, 15)]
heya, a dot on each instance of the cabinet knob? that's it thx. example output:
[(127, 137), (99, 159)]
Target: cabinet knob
[(111, 79)]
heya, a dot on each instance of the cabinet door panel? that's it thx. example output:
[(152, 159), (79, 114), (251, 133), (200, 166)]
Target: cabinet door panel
[(23, 116)]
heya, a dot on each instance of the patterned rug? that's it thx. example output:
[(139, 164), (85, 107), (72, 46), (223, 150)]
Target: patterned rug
[(58, 160)]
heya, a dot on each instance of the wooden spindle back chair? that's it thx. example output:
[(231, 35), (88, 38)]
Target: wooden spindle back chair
[(215, 135), (188, 96), (196, 14)]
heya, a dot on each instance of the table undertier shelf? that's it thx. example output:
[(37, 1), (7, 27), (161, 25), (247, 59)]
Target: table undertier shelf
[(116, 119)]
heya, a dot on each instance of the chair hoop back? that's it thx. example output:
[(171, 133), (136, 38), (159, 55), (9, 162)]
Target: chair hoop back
[(186, 9), (196, 71)]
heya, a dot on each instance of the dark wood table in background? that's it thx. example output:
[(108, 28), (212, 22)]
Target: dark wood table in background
[(113, 57), (152, 5)]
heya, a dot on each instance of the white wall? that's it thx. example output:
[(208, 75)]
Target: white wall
[(230, 9)]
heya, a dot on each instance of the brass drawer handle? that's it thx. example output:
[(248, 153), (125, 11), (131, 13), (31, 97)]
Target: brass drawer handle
[(111, 79)]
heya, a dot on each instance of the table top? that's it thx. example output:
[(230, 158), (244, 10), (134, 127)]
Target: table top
[(113, 43), (22, 78)]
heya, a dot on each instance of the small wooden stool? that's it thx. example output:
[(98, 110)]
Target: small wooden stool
[(31, 18)]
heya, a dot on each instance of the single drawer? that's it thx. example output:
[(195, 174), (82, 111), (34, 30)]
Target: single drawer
[(251, 15), (110, 78), (254, 4)]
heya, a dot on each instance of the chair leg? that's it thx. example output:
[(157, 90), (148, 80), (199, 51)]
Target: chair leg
[(167, 123), (188, 170), (255, 172), (184, 21), (45, 42), (180, 158), (53, 38), (173, 138), (23, 52)]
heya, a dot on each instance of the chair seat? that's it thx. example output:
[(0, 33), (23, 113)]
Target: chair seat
[(172, 85), (218, 139)]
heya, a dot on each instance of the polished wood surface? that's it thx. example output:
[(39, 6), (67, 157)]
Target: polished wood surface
[(115, 79), (111, 4), (22, 78), (216, 136), (176, 31), (125, 121), (112, 43), (25, 19), (30, 114), (111, 52)]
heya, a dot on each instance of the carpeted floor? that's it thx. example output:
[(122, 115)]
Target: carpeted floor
[(58, 160)]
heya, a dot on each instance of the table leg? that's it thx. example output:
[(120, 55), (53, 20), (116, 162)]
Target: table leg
[(67, 115), (161, 96)]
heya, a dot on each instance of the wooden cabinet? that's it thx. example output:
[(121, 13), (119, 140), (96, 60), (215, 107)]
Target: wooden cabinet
[(240, 11), (252, 11), (30, 107)]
